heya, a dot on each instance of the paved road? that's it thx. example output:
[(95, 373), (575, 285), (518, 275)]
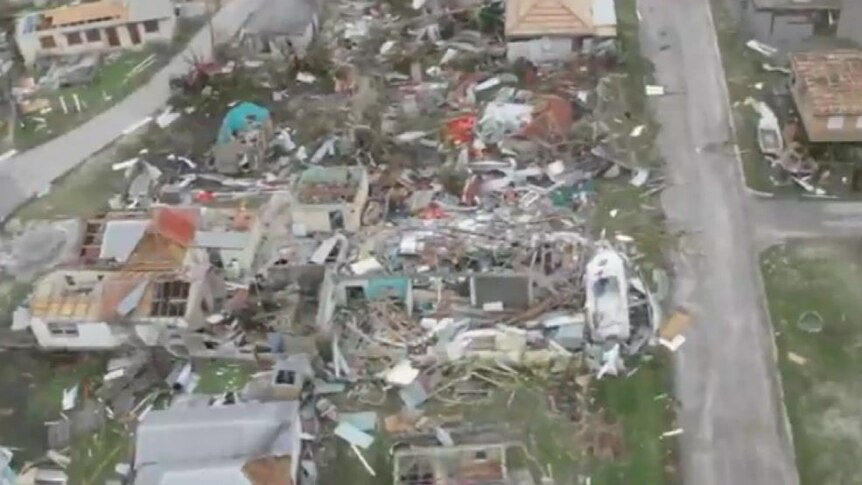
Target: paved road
[(731, 410), (32, 171)]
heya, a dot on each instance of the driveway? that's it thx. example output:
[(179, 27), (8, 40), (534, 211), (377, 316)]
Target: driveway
[(32, 171), (735, 430)]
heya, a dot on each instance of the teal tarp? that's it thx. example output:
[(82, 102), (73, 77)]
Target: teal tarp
[(238, 117), (394, 286)]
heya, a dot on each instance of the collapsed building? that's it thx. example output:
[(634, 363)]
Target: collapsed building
[(455, 239)]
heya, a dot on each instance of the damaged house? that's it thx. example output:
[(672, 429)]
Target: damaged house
[(555, 30), (94, 26), (243, 139), (827, 89), (136, 278), (86, 310), (330, 199), (236, 444), (281, 28)]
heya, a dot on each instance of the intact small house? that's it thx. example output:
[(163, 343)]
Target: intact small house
[(243, 139), (330, 199), (280, 28), (555, 30), (94, 26), (827, 90)]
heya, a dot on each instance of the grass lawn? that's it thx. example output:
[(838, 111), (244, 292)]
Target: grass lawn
[(218, 376), (113, 82), (820, 371)]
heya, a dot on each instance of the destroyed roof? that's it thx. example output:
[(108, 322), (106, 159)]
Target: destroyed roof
[(798, 4), (549, 17), (82, 295), (831, 81), (237, 119), (172, 437), (281, 17), (175, 224), (324, 185)]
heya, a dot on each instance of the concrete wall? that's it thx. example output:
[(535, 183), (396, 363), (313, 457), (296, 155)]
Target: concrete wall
[(850, 22), (545, 49), (315, 218), (95, 335), (30, 47)]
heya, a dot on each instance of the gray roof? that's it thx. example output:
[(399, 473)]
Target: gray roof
[(183, 436), (281, 17), (140, 10)]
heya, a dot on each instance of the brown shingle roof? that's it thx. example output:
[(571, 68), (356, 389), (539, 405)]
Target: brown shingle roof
[(549, 17), (831, 81)]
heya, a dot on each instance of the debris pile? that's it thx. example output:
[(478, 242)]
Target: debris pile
[(418, 227)]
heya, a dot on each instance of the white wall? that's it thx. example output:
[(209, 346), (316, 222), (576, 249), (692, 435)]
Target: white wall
[(94, 335), (30, 46), (545, 49)]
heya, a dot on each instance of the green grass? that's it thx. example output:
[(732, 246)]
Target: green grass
[(632, 400), (823, 395), (95, 457), (219, 376), (640, 402), (81, 193), (111, 85), (743, 73)]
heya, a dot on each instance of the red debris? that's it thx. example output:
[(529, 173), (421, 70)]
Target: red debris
[(460, 129), (204, 196), (176, 225), (432, 211), (552, 117)]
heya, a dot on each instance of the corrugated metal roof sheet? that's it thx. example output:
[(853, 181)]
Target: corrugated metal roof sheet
[(177, 436), (121, 238)]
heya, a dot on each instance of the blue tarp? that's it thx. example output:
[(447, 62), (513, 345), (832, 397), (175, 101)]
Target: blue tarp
[(236, 120)]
